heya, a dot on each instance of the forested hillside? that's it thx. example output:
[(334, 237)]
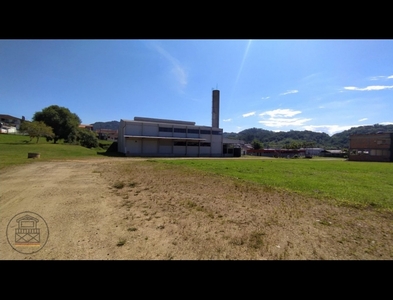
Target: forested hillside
[(113, 125), (271, 139)]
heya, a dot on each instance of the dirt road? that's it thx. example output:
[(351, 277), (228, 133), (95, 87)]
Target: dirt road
[(114, 209), (73, 201)]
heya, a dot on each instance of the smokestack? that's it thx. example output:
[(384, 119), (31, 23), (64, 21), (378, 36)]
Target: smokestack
[(216, 108)]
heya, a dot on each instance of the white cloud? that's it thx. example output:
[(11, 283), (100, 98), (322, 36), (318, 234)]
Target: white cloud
[(364, 119), (289, 92), (180, 74), (282, 117), (329, 129), (337, 104), (249, 114), (377, 77), (369, 88), (265, 98), (178, 71), (333, 129), (280, 113), (227, 120), (381, 77), (281, 122)]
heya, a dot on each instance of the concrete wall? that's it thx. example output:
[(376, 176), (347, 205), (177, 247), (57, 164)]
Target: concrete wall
[(140, 138)]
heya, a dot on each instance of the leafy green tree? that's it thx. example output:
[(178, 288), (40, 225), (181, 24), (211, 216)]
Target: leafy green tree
[(256, 144), (61, 119), (292, 145), (87, 138), (36, 129)]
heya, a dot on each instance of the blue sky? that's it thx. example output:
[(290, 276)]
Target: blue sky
[(279, 85)]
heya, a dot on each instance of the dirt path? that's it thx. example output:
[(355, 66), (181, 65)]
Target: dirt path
[(90, 206), (73, 201)]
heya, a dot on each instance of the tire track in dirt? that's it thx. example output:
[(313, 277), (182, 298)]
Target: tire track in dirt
[(71, 198)]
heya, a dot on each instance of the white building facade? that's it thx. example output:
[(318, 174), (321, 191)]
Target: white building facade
[(171, 138)]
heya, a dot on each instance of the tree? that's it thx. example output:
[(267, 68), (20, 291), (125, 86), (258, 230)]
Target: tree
[(256, 144), (86, 138), (61, 119), (36, 129)]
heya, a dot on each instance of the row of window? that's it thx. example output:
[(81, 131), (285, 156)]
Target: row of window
[(378, 152), (185, 130), (192, 144)]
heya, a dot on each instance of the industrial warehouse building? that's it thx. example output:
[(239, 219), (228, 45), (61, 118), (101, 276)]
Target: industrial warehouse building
[(371, 147), (161, 137)]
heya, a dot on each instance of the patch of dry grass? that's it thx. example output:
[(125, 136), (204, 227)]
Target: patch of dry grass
[(191, 215)]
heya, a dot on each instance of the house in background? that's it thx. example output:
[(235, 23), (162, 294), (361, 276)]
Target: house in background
[(88, 127), (234, 147), (107, 134), (310, 152), (283, 153), (333, 153), (10, 124), (371, 147)]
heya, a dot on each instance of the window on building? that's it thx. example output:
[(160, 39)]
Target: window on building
[(179, 130), (179, 143), (192, 144), (205, 131), (204, 144), (193, 131), (165, 129), (216, 132)]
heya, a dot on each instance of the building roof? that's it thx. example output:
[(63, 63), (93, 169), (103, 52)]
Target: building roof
[(333, 151), (315, 149), (106, 130), (9, 117), (143, 119), (167, 121)]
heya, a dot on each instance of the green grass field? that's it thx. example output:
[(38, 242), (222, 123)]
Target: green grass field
[(14, 150), (347, 182)]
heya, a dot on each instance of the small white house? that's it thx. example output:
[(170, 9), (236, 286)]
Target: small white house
[(8, 129)]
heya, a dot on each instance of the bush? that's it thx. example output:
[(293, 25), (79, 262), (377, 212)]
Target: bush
[(87, 138), (83, 137)]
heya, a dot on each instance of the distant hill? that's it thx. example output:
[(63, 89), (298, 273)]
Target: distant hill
[(271, 139), (113, 125)]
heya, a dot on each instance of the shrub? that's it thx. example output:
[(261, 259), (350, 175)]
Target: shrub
[(83, 137)]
